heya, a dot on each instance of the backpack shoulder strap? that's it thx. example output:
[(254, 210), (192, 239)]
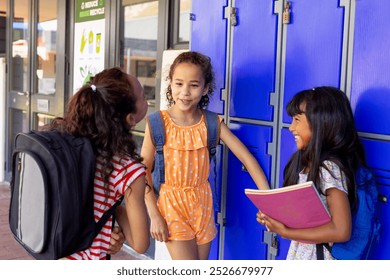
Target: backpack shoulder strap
[(213, 131), (156, 125), (157, 133)]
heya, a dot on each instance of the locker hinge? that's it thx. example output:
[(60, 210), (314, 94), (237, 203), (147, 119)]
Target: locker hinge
[(272, 241), (273, 99), (382, 198), (221, 220), (232, 12), (270, 148), (287, 12), (224, 94)]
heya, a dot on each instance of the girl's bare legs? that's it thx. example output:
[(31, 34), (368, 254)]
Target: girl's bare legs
[(188, 250)]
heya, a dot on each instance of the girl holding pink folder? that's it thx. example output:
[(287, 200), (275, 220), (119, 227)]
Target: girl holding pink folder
[(329, 152)]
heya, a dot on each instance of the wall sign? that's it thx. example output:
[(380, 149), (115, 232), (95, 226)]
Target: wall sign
[(88, 41)]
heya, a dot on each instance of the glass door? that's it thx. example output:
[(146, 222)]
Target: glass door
[(139, 42), (138, 48), (43, 71), (19, 73), (36, 92)]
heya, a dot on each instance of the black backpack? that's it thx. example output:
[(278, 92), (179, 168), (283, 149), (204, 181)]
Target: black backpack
[(51, 210)]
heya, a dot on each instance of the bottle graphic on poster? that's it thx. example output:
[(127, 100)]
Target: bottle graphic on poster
[(98, 40), (83, 42), (90, 41)]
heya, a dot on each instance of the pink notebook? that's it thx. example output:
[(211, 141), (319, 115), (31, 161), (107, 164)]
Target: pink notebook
[(296, 206)]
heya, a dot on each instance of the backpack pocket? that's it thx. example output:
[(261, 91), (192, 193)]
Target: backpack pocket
[(28, 210)]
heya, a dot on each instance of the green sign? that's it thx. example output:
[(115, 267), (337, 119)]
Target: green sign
[(88, 10)]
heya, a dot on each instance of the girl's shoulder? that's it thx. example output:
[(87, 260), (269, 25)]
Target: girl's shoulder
[(165, 115), (332, 176), (166, 118), (169, 122), (125, 163), (331, 165)]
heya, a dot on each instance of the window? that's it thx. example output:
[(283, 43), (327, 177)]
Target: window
[(180, 24), (46, 46), (3, 26), (139, 43), (184, 21)]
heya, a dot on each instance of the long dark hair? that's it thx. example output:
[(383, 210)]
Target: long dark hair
[(334, 137), (204, 62), (98, 111)]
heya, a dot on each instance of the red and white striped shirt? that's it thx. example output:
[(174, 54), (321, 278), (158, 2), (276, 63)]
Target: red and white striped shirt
[(125, 172)]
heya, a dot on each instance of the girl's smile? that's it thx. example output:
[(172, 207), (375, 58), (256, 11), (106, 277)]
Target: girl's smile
[(301, 130), (188, 85)]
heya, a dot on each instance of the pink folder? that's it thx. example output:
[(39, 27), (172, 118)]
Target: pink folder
[(296, 206)]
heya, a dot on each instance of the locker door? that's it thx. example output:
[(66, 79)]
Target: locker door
[(370, 98), (253, 60), (209, 36), (370, 86), (287, 148), (380, 166), (243, 234), (313, 47), (215, 184)]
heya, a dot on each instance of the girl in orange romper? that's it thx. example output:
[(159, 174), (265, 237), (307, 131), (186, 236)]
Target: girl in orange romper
[(183, 216)]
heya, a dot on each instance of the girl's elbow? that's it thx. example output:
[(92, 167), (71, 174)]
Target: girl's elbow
[(141, 250), (347, 236), (344, 235), (141, 247)]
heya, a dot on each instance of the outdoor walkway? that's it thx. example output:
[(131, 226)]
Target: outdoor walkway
[(10, 248)]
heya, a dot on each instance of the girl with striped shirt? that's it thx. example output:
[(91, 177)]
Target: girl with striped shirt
[(105, 110)]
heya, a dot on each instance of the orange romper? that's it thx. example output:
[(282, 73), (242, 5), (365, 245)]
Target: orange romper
[(186, 200)]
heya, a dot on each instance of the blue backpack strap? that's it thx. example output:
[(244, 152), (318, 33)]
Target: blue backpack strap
[(213, 132), (157, 133)]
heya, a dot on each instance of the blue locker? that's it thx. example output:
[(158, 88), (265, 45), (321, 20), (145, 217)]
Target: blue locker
[(209, 16), (254, 60), (311, 55), (287, 148), (370, 90), (215, 184), (243, 234), (313, 47), (209, 36), (370, 98), (214, 251), (377, 156)]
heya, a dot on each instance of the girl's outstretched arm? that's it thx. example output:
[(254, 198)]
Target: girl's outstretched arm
[(243, 154), (337, 230), (134, 218), (158, 225)]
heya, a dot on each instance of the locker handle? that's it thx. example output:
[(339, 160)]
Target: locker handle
[(383, 198)]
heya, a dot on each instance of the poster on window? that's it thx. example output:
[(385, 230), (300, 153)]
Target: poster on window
[(89, 33)]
